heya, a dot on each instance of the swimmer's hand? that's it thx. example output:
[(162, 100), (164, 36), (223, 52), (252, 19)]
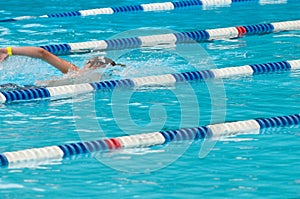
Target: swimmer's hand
[(3, 54)]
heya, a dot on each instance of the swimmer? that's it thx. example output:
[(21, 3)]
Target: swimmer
[(64, 66)]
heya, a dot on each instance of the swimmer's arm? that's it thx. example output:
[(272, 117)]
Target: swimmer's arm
[(36, 52)]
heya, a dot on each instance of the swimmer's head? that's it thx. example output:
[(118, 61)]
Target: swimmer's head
[(100, 62)]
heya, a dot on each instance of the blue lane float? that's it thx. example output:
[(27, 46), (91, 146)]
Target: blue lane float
[(159, 80), (143, 8), (59, 152), (173, 38)]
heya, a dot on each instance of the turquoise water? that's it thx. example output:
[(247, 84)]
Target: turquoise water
[(244, 166)]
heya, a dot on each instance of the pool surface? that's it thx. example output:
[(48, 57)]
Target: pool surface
[(247, 165)]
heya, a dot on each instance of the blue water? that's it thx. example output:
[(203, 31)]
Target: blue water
[(244, 166)]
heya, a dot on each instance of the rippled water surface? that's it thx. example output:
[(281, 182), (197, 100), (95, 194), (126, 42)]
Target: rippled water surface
[(262, 165)]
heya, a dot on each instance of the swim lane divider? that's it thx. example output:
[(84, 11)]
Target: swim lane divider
[(173, 38), (159, 80), (254, 126), (142, 7)]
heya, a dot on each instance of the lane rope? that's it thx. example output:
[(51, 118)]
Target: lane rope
[(143, 8), (159, 80), (59, 152), (173, 38)]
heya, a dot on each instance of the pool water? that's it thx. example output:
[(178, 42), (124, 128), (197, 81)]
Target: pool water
[(243, 166)]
